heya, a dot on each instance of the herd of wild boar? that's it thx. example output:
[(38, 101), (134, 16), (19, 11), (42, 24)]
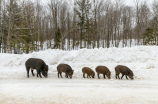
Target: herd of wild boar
[(41, 67)]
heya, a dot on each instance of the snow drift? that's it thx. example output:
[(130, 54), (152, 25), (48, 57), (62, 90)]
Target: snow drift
[(142, 60)]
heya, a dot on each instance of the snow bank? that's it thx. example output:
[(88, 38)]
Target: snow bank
[(141, 59)]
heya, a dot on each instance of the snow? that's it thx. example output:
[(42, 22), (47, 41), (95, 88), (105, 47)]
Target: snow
[(15, 87)]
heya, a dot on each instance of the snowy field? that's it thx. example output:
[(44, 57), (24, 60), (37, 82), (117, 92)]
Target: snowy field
[(16, 88)]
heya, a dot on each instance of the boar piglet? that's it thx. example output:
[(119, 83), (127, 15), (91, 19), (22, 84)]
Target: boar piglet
[(103, 70), (88, 71), (66, 69), (124, 70)]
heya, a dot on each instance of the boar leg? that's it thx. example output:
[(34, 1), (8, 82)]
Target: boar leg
[(89, 76), (104, 76), (58, 74), (118, 76), (122, 76), (98, 75), (28, 69), (83, 75), (39, 73), (61, 75), (28, 73), (66, 75), (32, 73), (126, 77)]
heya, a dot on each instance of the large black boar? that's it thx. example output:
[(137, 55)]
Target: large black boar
[(38, 64), (124, 70), (88, 71), (66, 69), (103, 70)]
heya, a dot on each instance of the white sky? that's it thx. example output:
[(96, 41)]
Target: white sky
[(128, 2), (132, 2)]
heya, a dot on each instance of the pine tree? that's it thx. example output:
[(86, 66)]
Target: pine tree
[(57, 39), (82, 8), (148, 37)]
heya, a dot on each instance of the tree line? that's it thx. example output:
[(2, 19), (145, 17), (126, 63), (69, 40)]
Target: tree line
[(27, 26)]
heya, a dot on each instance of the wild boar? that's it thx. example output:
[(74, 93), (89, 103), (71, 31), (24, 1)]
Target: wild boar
[(103, 70), (88, 71), (124, 70), (66, 69), (38, 64)]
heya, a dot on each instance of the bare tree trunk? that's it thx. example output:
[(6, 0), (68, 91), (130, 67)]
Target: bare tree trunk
[(10, 26)]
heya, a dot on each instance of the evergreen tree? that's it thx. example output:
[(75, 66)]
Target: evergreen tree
[(82, 8), (148, 37), (57, 39)]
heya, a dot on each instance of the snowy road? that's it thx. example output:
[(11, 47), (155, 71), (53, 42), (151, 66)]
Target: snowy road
[(78, 91)]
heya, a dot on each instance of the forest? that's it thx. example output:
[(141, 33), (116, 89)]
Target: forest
[(27, 26)]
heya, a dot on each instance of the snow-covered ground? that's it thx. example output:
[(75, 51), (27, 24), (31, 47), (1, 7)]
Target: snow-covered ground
[(16, 88)]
